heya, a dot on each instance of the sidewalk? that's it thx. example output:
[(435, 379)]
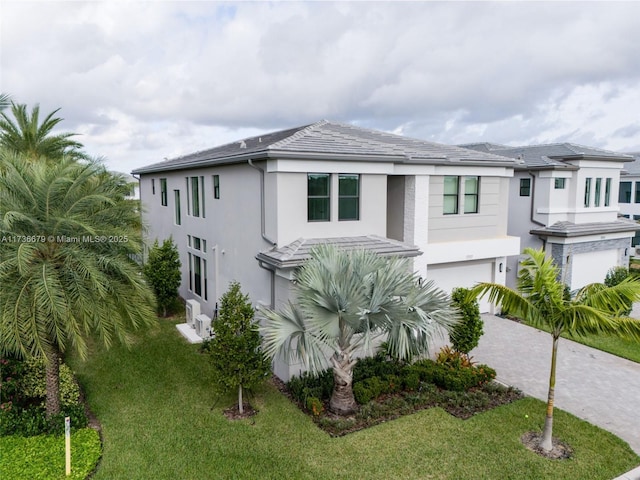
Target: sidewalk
[(595, 386)]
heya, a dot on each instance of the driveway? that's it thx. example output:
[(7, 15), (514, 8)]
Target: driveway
[(595, 386)]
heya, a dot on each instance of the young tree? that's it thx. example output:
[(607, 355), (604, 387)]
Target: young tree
[(66, 233), (543, 301), (465, 335), (162, 270), (346, 299), (236, 353)]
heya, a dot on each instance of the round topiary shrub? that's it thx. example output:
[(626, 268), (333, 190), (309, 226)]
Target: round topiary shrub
[(466, 334)]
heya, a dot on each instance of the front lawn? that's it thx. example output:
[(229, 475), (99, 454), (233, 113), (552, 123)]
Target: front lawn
[(161, 420)]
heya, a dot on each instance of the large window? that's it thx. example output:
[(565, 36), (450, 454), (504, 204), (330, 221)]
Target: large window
[(467, 188), (596, 199), (451, 185), (195, 196), (318, 197), (624, 196), (607, 192), (587, 192), (198, 266), (471, 194), (163, 192), (637, 196), (348, 197), (525, 187), (176, 197)]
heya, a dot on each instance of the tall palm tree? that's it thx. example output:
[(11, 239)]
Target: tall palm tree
[(344, 300), (25, 134), (66, 234), (542, 300)]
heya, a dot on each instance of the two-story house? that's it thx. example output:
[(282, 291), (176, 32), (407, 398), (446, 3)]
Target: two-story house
[(629, 195), (564, 198), (251, 210)]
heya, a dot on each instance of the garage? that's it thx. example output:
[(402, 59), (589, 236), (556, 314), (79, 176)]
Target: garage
[(448, 276), (592, 267)]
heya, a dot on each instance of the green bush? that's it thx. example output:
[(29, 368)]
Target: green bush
[(308, 385), (466, 334), (314, 405), (362, 393), (33, 383), (410, 381), (453, 377), (31, 420), (615, 276), (376, 366)]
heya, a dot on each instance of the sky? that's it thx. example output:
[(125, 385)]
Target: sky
[(144, 81)]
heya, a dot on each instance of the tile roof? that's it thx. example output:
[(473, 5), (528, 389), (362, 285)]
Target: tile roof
[(549, 156), (331, 141), (296, 253), (632, 168), (569, 229)]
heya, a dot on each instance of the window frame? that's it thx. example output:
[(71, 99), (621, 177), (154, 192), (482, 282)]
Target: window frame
[(626, 193), (596, 192), (525, 190), (475, 195), (455, 196), (164, 200), (195, 196), (559, 183), (587, 192), (312, 198), (607, 192), (343, 198), (216, 186), (177, 207)]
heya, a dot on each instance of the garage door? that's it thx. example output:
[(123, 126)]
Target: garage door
[(448, 276), (592, 267)]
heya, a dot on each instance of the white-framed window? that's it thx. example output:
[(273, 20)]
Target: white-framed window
[(197, 266)]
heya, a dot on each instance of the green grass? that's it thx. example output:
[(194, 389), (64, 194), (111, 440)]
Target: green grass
[(43, 457), (156, 406)]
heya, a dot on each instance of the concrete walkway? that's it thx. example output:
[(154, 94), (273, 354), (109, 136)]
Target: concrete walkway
[(595, 386)]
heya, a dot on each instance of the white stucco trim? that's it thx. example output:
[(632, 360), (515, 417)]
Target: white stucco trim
[(448, 252)]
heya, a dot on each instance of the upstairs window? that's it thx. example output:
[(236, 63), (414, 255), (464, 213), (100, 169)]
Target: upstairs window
[(471, 194), (163, 192), (624, 196), (587, 192), (525, 187), (607, 192), (216, 187), (451, 185), (348, 197), (596, 198), (559, 183), (637, 197), (153, 186), (176, 197), (318, 197), (195, 196)]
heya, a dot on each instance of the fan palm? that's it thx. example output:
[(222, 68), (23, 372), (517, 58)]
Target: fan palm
[(542, 300), (66, 237), (24, 134), (344, 300)]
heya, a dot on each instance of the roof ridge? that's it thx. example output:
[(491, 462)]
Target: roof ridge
[(300, 133)]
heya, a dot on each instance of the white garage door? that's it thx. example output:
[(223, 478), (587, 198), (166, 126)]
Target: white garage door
[(592, 267), (448, 276)]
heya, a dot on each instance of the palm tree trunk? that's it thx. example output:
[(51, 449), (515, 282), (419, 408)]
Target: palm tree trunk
[(342, 400), (52, 401), (240, 406), (546, 442)]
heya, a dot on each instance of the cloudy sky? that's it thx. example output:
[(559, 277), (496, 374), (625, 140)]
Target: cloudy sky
[(141, 81)]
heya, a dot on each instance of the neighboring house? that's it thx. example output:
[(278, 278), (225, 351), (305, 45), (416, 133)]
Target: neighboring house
[(251, 210), (564, 197), (629, 197), (134, 186)]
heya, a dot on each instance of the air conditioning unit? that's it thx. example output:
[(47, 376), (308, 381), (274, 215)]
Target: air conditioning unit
[(192, 311), (203, 326)]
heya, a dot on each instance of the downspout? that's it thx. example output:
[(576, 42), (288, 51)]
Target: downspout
[(533, 200), (264, 234), (262, 207)]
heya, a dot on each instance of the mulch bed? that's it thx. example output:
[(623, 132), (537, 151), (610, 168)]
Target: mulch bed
[(233, 413), (559, 451)]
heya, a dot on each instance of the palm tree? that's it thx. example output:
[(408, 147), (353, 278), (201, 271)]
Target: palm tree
[(24, 134), (344, 301), (5, 101), (66, 234), (542, 300)]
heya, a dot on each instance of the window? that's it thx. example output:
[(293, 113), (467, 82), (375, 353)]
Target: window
[(348, 197), (318, 195), (637, 197), (196, 243), (624, 196), (587, 192), (525, 187), (559, 183), (202, 195), (153, 186), (195, 197), (197, 275), (216, 186), (163, 192), (471, 188), (596, 200), (450, 195), (197, 267), (607, 192), (176, 197)]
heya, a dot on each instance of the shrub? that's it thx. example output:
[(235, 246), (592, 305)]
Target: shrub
[(314, 405), (465, 334), (411, 380), (615, 276), (369, 389), (162, 271), (376, 366), (33, 383), (454, 358), (308, 385)]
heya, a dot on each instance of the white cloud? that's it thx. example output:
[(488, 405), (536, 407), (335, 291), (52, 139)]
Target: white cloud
[(147, 80)]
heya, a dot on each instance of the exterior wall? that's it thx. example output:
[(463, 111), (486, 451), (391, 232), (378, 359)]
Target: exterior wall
[(395, 207), (594, 170), (589, 261), (230, 225), (291, 201)]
